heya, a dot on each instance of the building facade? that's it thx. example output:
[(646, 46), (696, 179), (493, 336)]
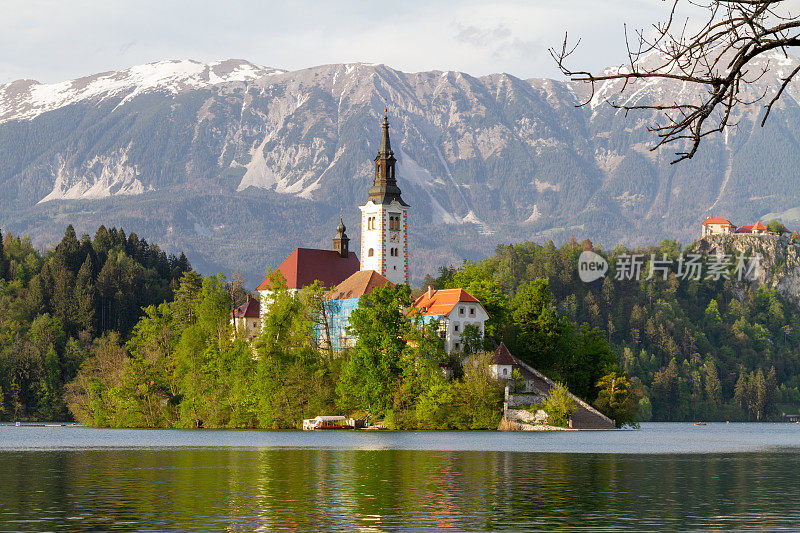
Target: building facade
[(246, 319), (454, 309), (716, 226)]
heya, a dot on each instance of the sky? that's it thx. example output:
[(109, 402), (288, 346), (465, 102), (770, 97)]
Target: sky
[(55, 40)]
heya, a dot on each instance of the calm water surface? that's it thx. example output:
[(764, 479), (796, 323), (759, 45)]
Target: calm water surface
[(663, 477)]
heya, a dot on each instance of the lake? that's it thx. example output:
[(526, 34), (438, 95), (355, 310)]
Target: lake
[(663, 477)]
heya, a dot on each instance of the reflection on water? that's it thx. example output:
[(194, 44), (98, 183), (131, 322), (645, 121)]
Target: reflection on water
[(300, 489), (308, 490)]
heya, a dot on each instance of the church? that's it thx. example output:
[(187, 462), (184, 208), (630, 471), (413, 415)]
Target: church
[(384, 259)]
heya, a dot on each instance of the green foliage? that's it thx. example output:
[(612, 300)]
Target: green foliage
[(53, 306), (776, 226), (559, 406), (618, 399), (373, 368), (183, 367)]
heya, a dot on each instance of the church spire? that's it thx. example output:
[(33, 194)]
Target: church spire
[(386, 145), (384, 189)]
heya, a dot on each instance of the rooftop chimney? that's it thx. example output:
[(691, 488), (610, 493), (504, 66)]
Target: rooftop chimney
[(430, 291)]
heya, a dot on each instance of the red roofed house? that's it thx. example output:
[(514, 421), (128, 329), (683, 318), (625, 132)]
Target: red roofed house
[(757, 229), (502, 363), (454, 309), (716, 226), (304, 266), (246, 319)]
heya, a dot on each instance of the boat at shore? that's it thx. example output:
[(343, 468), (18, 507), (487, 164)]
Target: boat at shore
[(327, 423)]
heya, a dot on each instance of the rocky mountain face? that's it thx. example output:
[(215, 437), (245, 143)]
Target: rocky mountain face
[(778, 260), (238, 164)]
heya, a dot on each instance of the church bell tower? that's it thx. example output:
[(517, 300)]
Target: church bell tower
[(384, 218), (341, 243)]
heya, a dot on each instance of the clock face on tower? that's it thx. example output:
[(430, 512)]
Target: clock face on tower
[(394, 237)]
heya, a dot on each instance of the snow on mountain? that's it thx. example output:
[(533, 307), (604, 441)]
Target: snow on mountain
[(26, 99), (101, 177)]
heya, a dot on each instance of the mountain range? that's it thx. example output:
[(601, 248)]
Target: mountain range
[(237, 164)]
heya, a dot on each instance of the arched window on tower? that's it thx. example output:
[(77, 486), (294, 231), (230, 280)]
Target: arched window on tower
[(371, 252)]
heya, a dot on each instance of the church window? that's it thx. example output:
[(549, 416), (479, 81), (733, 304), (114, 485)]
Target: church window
[(455, 327), (460, 311), (371, 252)]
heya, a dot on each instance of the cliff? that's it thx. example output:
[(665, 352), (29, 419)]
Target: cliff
[(779, 263)]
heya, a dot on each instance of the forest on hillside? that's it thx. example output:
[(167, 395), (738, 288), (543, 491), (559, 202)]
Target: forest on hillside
[(696, 349), (54, 306)]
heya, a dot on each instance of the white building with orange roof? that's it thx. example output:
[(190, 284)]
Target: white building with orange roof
[(716, 226), (455, 309)]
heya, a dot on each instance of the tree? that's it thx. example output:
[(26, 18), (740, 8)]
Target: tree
[(618, 399), (370, 373), (85, 298), (589, 357), (712, 315), (471, 339), (776, 226), (236, 290), (539, 330), (712, 384), (559, 406), (717, 57), (665, 386), (3, 260), (741, 392)]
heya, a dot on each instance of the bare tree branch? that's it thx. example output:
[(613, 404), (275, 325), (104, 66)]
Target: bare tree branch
[(717, 56)]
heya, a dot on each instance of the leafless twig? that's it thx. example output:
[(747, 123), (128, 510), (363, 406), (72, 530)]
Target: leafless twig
[(717, 56)]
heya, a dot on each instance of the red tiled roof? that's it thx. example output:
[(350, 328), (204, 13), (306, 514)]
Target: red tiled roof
[(759, 226), (745, 229), (250, 309), (304, 266), (361, 283), (721, 221), (441, 302), (502, 356)]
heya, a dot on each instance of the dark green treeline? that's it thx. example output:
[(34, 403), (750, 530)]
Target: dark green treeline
[(54, 305)]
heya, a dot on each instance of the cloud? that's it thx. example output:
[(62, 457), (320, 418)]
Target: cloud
[(499, 41), (483, 37), (57, 40)]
